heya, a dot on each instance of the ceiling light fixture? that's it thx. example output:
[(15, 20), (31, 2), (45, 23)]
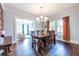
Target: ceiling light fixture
[(42, 18)]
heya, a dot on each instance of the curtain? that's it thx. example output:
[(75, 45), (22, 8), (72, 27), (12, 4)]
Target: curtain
[(66, 29)]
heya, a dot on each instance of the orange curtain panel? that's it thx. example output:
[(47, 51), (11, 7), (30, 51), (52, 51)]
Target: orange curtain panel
[(66, 29)]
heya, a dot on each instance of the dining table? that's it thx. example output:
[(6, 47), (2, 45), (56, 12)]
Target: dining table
[(5, 45), (6, 48), (40, 38)]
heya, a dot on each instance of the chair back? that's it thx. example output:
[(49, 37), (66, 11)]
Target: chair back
[(32, 33), (52, 32), (51, 35), (38, 32), (42, 31)]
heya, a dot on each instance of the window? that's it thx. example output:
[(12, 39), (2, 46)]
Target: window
[(24, 26), (60, 27), (52, 25)]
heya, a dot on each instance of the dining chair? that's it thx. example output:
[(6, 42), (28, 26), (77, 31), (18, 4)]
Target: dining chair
[(33, 39), (32, 33), (51, 38), (38, 32), (42, 31), (35, 42)]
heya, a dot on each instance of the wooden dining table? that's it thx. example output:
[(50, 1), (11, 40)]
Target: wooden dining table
[(6, 48), (6, 45), (40, 38)]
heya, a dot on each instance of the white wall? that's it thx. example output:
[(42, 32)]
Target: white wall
[(10, 28), (10, 16), (73, 13)]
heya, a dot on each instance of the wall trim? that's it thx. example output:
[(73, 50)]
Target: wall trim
[(71, 41), (74, 41)]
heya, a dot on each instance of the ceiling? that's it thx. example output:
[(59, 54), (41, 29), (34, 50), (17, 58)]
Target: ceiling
[(34, 8)]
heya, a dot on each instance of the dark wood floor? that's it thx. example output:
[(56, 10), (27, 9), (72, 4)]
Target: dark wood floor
[(64, 49), (24, 48)]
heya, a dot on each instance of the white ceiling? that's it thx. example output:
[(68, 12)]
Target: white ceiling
[(34, 8)]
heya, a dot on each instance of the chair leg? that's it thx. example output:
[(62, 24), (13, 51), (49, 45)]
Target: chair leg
[(32, 45), (54, 40)]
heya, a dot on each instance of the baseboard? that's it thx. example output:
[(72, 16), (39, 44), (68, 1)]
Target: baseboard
[(74, 41), (71, 41)]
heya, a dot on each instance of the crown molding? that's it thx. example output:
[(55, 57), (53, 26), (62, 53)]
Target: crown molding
[(73, 8)]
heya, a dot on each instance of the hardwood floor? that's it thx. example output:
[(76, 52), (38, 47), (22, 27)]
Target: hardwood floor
[(64, 49), (24, 48)]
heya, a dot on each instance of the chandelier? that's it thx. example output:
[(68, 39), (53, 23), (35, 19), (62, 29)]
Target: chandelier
[(41, 17)]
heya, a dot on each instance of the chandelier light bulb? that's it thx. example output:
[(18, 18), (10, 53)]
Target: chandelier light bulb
[(37, 19), (45, 18), (41, 20), (41, 17)]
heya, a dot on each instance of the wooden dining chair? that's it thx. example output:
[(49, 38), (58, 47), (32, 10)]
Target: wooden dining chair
[(51, 38), (42, 31), (38, 32), (35, 42), (33, 39), (32, 33)]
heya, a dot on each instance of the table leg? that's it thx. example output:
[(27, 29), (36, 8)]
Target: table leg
[(9, 49), (6, 51), (54, 40), (39, 46)]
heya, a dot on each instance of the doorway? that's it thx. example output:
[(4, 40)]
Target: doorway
[(23, 27)]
